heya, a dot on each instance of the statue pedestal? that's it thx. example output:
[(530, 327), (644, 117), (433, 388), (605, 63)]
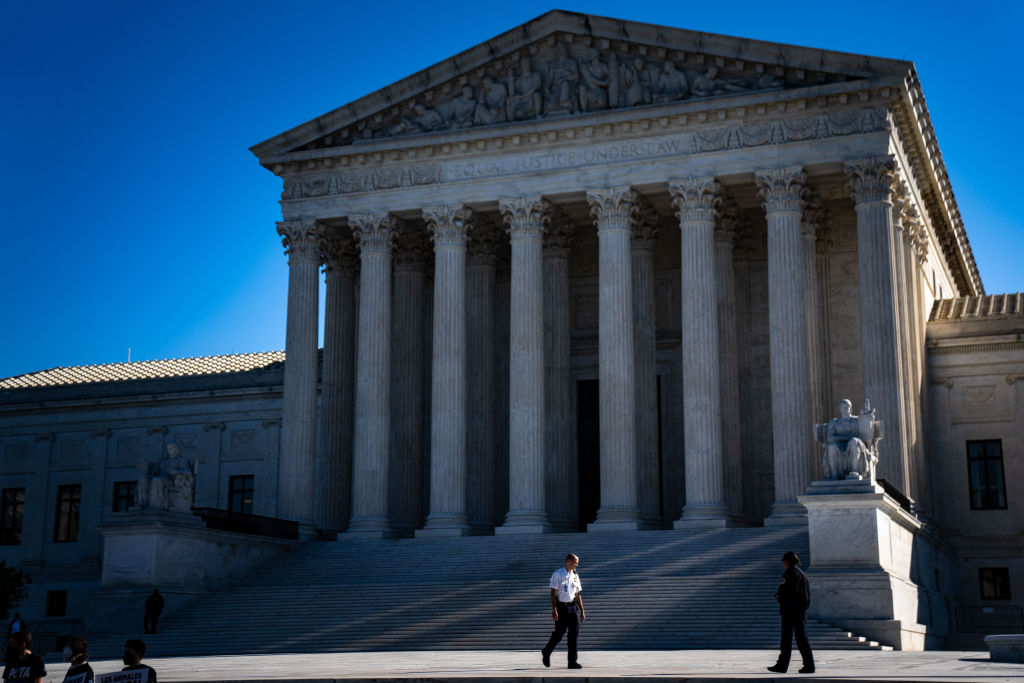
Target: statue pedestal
[(862, 550)]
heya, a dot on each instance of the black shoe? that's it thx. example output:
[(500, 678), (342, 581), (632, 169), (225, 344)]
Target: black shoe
[(777, 669), (807, 669), (575, 665), (546, 659)]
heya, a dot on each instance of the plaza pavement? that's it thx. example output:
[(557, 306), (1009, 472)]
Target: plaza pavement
[(602, 665)]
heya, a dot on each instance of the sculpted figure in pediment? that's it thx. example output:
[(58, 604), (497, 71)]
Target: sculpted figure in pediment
[(526, 101), (463, 108), (768, 81), (492, 105), (563, 83), (710, 84), (635, 83), (424, 121), (672, 84), (596, 79)]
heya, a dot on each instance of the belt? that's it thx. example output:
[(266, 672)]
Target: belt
[(567, 604)]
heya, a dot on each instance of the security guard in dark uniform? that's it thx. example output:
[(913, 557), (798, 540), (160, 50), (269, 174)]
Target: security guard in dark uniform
[(794, 597)]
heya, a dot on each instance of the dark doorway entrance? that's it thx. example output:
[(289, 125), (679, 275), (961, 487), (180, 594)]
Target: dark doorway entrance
[(588, 444)]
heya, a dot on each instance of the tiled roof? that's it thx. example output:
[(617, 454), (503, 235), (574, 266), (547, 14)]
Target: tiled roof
[(146, 369), (978, 307)]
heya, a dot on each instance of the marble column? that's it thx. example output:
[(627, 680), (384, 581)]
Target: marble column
[(696, 201), (728, 360), (334, 463), (297, 458), (526, 219), (407, 386), (900, 201), (371, 440), (448, 226), (645, 360), (480, 430), (812, 219), (871, 183), (783, 190), (614, 210), (917, 255), (558, 243)]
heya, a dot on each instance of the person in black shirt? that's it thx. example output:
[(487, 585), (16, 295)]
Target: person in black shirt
[(794, 597), (154, 606), (133, 653), (23, 666), (80, 671)]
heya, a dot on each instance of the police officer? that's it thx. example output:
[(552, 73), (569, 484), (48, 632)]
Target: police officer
[(794, 597), (566, 610)]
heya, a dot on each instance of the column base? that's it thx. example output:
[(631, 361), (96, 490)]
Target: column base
[(369, 527), (524, 522), (445, 525), (617, 519), (787, 514), (707, 516)]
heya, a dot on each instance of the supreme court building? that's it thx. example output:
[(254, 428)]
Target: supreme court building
[(589, 275)]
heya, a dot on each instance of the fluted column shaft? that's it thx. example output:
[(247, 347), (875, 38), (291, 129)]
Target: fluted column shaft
[(480, 439), (903, 336), (696, 201), (406, 476), (819, 414), (782, 190), (371, 441), (646, 350), (334, 471), (871, 181), (728, 364), (526, 218), (613, 210), (558, 378), (297, 459), (448, 226)]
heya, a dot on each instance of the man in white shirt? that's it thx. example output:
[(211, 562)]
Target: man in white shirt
[(566, 610)]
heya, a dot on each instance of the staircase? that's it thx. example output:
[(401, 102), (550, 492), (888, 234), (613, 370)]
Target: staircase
[(641, 590)]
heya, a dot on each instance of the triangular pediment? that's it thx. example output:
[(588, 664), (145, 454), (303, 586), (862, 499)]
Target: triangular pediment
[(565, 64)]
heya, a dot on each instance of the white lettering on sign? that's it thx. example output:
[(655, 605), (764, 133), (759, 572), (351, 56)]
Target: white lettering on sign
[(133, 676)]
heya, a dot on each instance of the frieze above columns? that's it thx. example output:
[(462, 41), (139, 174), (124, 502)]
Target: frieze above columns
[(301, 240)]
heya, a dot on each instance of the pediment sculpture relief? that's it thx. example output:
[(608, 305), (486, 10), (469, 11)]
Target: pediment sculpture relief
[(563, 78)]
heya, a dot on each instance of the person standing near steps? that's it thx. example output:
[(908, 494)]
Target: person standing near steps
[(794, 597), (566, 610)]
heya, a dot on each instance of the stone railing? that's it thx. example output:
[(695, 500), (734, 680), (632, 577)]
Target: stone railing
[(243, 523)]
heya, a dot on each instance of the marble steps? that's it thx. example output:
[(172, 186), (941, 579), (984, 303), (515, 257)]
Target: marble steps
[(671, 589)]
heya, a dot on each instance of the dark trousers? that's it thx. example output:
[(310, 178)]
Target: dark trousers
[(793, 622), (149, 622), (567, 621)]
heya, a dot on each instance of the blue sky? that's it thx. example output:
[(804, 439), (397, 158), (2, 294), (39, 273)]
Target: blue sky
[(134, 215)]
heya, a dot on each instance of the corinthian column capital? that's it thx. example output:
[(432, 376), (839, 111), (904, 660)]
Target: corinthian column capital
[(301, 239), (782, 189), (338, 253), (448, 225), (411, 250), (730, 220), (645, 230), (374, 233), (525, 216), (696, 199), (813, 219), (483, 243), (871, 180), (614, 207), (560, 239)]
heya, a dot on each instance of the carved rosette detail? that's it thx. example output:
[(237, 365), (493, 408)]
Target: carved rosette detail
[(525, 216), (730, 221), (645, 231), (871, 180), (338, 253), (301, 239), (448, 226), (782, 189), (696, 199), (412, 250), (614, 208), (483, 243), (374, 233)]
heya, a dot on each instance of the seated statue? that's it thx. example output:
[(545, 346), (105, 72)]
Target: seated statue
[(167, 485), (851, 443)]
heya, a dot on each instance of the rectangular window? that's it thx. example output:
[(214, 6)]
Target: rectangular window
[(69, 499), (12, 513), (124, 495), (985, 474), (995, 583), (56, 603), (240, 493)]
